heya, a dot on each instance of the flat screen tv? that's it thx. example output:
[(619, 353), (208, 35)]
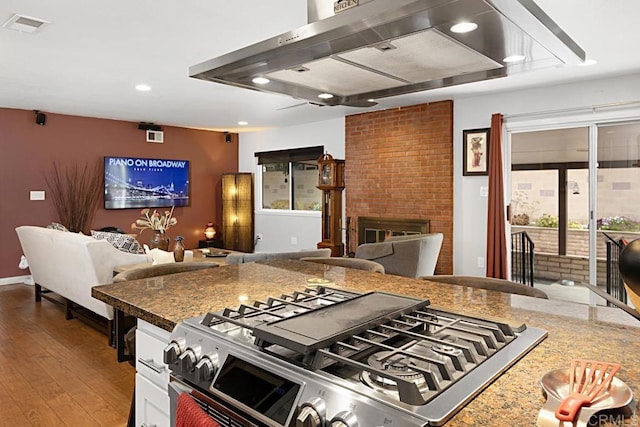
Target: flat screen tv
[(132, 182)]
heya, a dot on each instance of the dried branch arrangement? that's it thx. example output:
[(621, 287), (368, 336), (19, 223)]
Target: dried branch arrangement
[(75, 192)]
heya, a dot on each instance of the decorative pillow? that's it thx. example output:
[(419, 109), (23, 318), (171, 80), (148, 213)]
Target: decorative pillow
[(122, 242), (57, 226)]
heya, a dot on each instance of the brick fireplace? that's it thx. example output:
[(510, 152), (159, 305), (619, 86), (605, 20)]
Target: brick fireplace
[(399, 164)]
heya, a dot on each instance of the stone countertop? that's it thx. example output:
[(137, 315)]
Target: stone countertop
[(514, 399)]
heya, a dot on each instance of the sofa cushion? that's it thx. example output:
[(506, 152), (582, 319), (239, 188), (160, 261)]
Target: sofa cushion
[(122, 242)]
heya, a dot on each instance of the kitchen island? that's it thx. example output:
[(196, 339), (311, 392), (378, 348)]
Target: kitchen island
[(514, 399)]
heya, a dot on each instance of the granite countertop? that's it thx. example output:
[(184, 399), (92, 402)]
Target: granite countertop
[(514, 399)]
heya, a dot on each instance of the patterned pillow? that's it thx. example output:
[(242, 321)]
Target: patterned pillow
[(57, 226), (122, 242)]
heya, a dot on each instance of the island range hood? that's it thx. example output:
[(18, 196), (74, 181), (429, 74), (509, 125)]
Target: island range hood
[(354, 52)]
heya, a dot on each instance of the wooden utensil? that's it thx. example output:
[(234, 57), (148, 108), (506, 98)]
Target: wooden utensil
[(588, 380)]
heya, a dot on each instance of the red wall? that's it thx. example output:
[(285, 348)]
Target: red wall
[(399, 164), (27, 152)]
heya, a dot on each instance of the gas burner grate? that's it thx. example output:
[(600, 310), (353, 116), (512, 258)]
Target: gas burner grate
[(249, 316), (419, 354)]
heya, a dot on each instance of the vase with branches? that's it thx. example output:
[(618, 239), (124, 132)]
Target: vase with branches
[(155, 220), (159, 223), (75, 192)]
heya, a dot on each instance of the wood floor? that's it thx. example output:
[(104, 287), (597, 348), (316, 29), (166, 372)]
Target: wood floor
[(57, 372)]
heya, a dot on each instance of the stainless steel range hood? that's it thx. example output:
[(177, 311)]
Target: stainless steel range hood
[(378, 48)]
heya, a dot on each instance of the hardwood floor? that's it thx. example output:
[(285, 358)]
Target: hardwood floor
[(57, 372)]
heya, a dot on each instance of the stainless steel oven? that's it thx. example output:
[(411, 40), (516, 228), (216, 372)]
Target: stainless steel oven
[(335, 358)]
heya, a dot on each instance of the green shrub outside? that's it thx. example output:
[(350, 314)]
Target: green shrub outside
[(548, 221), (551, 221), (575, 225)]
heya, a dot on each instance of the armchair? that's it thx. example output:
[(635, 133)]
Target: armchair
[(410, 256)]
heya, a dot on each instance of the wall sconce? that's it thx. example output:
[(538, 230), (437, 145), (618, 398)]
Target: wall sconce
[(237, 211)]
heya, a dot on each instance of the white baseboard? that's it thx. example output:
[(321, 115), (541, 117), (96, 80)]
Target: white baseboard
[(27, 280)]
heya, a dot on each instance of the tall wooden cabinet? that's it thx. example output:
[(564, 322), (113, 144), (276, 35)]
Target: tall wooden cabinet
[(237, 211)]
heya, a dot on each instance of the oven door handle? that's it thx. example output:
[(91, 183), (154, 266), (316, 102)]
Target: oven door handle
[(149, 364)]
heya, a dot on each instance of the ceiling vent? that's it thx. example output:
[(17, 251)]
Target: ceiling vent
[(25, 24), (156, 136)]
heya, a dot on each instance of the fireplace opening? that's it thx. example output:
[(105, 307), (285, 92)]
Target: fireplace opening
[(376, 229)]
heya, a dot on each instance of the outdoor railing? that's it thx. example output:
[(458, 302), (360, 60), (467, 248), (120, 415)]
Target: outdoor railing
[(522, 258), (615, 284)]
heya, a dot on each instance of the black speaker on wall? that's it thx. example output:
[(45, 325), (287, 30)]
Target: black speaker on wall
[(227, 137), (41, 118), (149, 126)]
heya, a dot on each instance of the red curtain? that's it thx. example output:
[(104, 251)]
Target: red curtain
[(496, 238)]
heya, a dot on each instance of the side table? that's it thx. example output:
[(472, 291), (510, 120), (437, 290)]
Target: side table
[(211, 244)]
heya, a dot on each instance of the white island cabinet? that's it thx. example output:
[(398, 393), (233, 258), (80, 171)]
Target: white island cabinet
[(152, 376)]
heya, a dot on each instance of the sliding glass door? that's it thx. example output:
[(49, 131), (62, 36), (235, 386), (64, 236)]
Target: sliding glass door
[(618, 199), (550, 210), (577, 210)]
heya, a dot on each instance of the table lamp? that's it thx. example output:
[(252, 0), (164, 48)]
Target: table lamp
[(210, 231)]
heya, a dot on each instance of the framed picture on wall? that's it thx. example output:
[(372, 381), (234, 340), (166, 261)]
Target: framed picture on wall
[(475, 152)]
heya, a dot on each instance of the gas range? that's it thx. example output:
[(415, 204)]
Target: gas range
[(337, 358)]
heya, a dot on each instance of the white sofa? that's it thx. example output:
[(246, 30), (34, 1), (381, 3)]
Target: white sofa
[(70, 264)]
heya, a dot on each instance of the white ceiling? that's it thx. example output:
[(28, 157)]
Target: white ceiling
[(89, 59)]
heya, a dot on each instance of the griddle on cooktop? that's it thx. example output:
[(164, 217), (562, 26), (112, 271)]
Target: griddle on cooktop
[(321, 327)]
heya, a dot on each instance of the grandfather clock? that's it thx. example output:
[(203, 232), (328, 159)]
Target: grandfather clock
[(331, 182)]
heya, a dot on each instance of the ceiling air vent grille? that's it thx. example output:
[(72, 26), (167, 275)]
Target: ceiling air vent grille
[(25, 24)]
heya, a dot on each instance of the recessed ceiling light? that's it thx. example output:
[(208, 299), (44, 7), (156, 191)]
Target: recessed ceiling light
[(143, 88), (242, 123), (514, 58), (588, 62), (325, 96), (260, 80), (371, 100), (464, 27)]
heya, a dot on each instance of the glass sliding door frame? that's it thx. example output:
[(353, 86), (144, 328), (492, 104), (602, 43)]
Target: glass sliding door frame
[(593, 208), (615, 200), (588, 118), (553, 126)]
